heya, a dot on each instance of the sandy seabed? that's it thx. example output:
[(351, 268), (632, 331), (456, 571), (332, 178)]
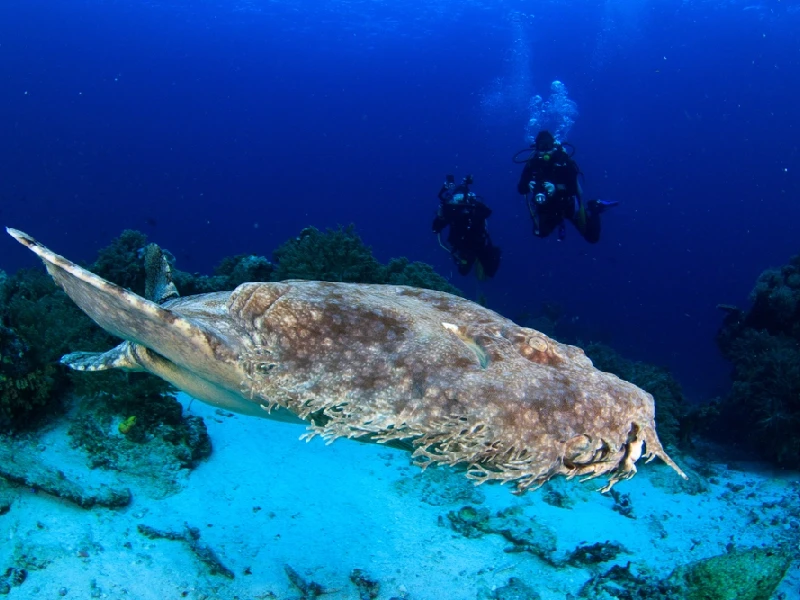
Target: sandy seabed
[(264, 501)]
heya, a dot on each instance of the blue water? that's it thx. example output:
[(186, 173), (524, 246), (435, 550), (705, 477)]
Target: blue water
[(225, 127)]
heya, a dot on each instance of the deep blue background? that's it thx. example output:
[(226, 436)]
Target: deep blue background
[(225, 127)]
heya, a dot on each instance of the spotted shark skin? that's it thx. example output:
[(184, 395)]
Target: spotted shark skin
[(450, 380)]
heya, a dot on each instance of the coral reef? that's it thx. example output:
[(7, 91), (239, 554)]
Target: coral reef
[(181, 441), (122, 261), (39, 324), (400, 271), (243, 268), (775, 301), (741, 574), (25, 388), (341, 255), (338, 255), (762, 410), (229, 273), (333, 255), (546, 319)]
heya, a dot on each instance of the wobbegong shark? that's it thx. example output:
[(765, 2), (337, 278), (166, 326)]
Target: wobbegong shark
[(450, 380)]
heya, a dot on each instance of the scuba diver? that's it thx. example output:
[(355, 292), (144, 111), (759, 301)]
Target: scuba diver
[(468, 238), (549, 182)]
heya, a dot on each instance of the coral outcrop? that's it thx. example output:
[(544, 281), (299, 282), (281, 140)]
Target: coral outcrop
[(762, 410)]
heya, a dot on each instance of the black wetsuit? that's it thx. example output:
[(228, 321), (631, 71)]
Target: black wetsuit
[(564, 203), (468, 239)]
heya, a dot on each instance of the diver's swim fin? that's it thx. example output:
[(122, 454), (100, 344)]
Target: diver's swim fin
[(600, 206)]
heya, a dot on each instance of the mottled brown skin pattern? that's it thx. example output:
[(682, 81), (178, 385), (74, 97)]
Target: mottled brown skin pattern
[(465, 384), (457, 382)]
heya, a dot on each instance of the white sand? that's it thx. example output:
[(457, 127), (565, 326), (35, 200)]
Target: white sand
[(264, 500)]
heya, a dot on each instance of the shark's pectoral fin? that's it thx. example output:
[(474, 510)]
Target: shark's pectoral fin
[(121, 357)]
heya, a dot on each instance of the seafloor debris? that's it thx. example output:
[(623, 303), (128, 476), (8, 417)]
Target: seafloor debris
[(6, 497), (515, 589), (19, 465), (524, 534), (308, 589), (368, 588), (622, 504), (592, 554), (554, 493), (527, 535), (12, 577), (440, 486), (191, 537)]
